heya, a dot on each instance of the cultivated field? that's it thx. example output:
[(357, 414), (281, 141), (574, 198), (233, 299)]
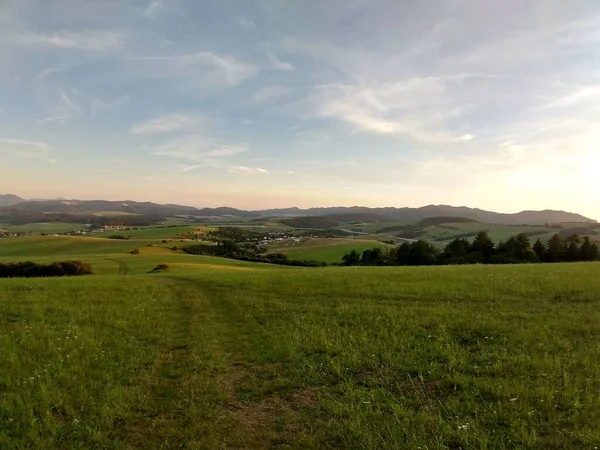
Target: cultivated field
[(216, 353)]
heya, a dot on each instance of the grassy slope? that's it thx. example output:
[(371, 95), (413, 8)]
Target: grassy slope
[(52, 227), (327, 250), (224, 354)]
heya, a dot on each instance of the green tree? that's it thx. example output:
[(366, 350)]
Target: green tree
[(402, 253), (588, 250), (556, 249), (351, 259), (483, 246), (373, 257), (456, 251), (540, 250), (422, 253)]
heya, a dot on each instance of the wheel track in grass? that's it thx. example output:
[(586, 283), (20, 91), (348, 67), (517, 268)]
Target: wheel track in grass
[(195, 393), (123, 268)]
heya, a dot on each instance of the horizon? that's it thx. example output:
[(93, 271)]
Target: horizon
[(287, 103), (200, 207)]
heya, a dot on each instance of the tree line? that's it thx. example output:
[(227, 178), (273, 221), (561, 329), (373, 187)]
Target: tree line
[(249, 251), (28, 269), (482, 250)]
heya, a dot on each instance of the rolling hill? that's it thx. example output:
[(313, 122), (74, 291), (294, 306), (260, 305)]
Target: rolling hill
[(9, 200), (16, 205)]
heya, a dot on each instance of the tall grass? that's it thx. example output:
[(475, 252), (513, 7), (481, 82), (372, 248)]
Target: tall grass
[(471, 357)]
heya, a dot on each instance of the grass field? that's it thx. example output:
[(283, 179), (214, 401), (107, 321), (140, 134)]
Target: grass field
[(216, 353), (49, 228), (326, 250)]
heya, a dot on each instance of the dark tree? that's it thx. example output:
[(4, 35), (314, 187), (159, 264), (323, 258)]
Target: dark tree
[(422, 253), (588, 250), (556, 249), (351, 259), (402, 254), (483, 245), (540, 250), (456, 252), (373, 257)]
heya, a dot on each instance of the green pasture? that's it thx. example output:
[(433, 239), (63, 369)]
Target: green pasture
[(221, 354)]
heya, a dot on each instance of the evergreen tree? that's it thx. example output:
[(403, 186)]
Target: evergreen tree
[(483, 246), (540, 250), (556, 249), (588, 250)]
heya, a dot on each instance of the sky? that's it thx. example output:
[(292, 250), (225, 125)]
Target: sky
[(278, 103)]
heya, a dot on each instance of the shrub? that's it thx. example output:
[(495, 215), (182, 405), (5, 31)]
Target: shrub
[(30, 269), (160, 268), (135, 251), (164, 241)]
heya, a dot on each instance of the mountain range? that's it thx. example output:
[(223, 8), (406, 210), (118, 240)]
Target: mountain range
[(15, 205)]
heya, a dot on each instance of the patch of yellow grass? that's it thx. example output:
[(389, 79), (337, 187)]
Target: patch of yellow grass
[(207, 266), (155, 250)]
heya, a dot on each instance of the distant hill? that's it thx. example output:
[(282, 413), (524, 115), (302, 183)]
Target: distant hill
[(85, 206), (10, 199), (431, 221), (357, 213)]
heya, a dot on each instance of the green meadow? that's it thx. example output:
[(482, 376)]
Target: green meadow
[(326, 250), (221, 354)]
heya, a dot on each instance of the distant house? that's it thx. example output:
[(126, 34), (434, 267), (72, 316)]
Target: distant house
[(112, 227)]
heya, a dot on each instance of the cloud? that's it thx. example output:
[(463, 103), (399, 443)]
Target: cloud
[(28, 149), (243, 170), (277, 64), (98, 105), (64, 109), (87, 41), (199, 148), (270, 92), (200, 66), (153, 8), (168, 123), (419, 108), (246, 23)]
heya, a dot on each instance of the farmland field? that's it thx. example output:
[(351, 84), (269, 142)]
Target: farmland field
[(216, 353), (325, 250)]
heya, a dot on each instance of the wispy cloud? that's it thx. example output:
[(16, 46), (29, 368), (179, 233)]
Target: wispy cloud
[(417, 107), (270, 93), (98, 105), (153, 8), (199, 148), (64, 109), (168, 123), (243, 170), (246, 23), (277, 64), (215, 67), (28, 149), (87, 41)]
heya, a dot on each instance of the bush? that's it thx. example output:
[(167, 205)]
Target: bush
[(164, 241), (117, 236), (160, 268), (135, 251), (30, 269)]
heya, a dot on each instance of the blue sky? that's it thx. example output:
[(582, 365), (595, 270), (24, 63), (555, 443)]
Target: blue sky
[(272, 103)]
